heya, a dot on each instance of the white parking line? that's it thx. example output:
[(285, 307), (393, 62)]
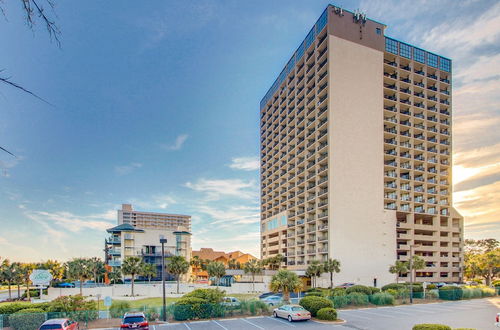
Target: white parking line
[(220, 325), (399, 312), (255, 325), (361, 317), (377, 314), (187, 326), (280, 321)]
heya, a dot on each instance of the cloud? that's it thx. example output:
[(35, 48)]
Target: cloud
[(177, 145), (72, 222), (126, 169), (228, 217), (215, 189), (160, 201), (245, 163)]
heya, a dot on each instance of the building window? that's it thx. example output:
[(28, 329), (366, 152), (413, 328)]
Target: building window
[(391, 45), (299, 53), (378, 31), (310, 38), (419, 55), (321, 23), (432, 60), (444, 64), (405, 50)]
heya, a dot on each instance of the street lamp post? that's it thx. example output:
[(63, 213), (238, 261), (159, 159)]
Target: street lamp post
[(163, 241)]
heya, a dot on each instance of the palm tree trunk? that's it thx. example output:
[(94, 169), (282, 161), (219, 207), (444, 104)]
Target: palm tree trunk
[(10, 291), (253, 282), (178, 280), (81, 287), (18, 291), (331, 280), (28, 290), (132, 285)]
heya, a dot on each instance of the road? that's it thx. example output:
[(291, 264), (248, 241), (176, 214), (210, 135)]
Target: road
[(4, 294), (478, 314)]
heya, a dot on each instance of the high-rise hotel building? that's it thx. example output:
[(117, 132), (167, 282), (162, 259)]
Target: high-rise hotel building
[(356, 155)]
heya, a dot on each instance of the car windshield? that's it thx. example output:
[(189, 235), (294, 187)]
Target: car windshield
[(297, 309), (50, 327), (133, 319)]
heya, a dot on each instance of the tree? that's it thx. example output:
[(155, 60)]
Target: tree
[(79, 269), (26, 269), (233, 264), (178, 265), (482, 259), (55, 268), (149, 271), (274, 263), (399, 268), (132, 266), (314, 270), (285, 281), (97, 268), (331, 266), (115, 275), (18, 276), (8, 274), (216, 269), (253, 267)]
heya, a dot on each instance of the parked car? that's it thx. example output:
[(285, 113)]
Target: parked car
[(292, 313), (66, 285), (135, 321), (272, 300), (267, 294), (231, 302), (345, 285), (497, 320), (440, 284), (59, 324)]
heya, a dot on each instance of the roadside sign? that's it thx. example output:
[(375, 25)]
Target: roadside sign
[(41, 277), (108, 301)]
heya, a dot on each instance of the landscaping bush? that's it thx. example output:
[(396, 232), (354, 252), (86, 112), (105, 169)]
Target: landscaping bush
[(476, 293), (431, 287), (339, 301), (33, 294), (74, 307), (359, 288), (392, 292), (487, 292), (429, 326), (27, 319), (313, 304), (212, 296), (432, 293), (393, 286), (338, 292), (118, 308), (374, 289), (382, 298), (357, 299), (496, 283), (313, 290), (327, 314), (151, 313), (450, 292), (10, 308), (189, 308), (314, 293)]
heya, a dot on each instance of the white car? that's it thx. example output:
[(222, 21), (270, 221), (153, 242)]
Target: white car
[(292, 313), (498, 320)]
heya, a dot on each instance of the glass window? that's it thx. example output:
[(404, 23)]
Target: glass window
[(432, 60), (405, 50), (310, 38), (444, 64), (300, 52), (320, 24), (391, 45), (378, 31), (419, 55)]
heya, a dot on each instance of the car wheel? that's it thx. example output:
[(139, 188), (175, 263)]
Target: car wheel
[(290, 318), (274, 314)]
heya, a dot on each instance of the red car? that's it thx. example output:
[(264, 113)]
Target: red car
[(59, 324), (135, 321)]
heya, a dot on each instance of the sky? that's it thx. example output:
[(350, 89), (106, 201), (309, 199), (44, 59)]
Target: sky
[(156, 103)]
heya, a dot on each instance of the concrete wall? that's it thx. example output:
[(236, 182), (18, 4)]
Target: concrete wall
[(362, 235)]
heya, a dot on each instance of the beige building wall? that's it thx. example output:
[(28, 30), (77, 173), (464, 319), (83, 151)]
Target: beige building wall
[(359, 228)]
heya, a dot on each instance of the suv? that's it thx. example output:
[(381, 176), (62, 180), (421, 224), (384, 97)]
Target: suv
[(135, 321), (59, 324)]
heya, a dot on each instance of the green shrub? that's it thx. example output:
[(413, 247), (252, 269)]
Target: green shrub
[(431, 287), (429, 326), (313, 304), (359, 288), (393, 286), (382, 298), (118, 308), (338, 292), (10, 308), (432, 293), (152, 313), (313, 290), (27, 319), (417, 287), (487, 292), (314, 293), (374, 289), (496, 283), (339, 301), (476, 293), (357, 299), (33, 294), (74, 307), (466, 293), (212, 296), (450, 292), (327, 313), (392, 292)]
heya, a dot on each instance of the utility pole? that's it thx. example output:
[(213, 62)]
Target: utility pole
[(163, 241)]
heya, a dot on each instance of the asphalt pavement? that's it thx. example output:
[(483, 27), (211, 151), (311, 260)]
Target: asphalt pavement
[(477, 314)]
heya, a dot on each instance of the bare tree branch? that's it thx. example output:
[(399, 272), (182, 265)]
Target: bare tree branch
[(32, 8), (7, 151), (13, 84)]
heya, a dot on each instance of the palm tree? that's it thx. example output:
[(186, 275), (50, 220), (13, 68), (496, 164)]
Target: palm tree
[(132, 266), (8, 274), (331, 266), (274, 263), (18, 276), (233, 264), (286, 282), (400, 267), (26, 270), (149, 271), (79, 269), (216, 269), (97, 268), (253, 267), (115, 274), (178, 266), (314, 270)]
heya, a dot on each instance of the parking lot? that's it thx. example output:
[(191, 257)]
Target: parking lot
[(477, 313)]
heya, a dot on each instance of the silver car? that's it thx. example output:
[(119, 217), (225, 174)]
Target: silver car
[(292, 313)]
